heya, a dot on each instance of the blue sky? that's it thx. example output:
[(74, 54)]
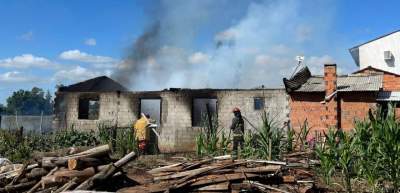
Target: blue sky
[(47, 42)]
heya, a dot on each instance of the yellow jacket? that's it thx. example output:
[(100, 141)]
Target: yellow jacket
[(141, 129)]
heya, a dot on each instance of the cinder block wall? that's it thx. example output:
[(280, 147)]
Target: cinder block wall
[(275, 103), (115, 108), (176, 130), (177, 133)]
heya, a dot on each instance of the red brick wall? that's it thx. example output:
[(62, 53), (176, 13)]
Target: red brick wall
[(355, 106), (307, 106), (331, 113), (391, 82)]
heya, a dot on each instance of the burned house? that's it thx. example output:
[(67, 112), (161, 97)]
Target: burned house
[(178, 112)]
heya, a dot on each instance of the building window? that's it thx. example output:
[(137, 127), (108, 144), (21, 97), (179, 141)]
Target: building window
[(89, 108), (151, 107), (258, 103), (201, 108)]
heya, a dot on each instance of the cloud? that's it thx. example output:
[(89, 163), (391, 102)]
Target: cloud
[(76, 55), (16, 77), (198, 58), (28, 36), (75, 74), (26, 61), (316, 63), (90, 42)]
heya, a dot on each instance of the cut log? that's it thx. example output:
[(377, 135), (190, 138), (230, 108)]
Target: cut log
[(17, 187), (15, 170), (20, 175), (50, 162), (36, 173), (105, 173), (60, 152), (94, 152), (67, 186), (81, 163), (86, 173), (50, 181), (36, 186)]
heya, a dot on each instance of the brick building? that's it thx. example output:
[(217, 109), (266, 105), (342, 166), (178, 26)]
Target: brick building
[(332, 100), (337, 101), (178, 112)]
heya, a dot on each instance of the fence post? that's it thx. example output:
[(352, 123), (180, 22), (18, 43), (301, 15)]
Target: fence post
[(41, 122), (16, 119)]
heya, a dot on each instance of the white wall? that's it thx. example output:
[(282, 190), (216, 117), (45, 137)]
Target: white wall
[(371, 54)]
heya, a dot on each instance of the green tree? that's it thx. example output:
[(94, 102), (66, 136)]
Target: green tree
[(3, 109), (32, 102)]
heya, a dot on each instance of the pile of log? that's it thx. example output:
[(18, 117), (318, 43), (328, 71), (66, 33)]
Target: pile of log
[(94, 170), (221, 174), (85, 170)]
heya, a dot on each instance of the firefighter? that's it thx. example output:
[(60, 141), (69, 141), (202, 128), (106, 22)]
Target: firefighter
[(142, 133), (237, 128)]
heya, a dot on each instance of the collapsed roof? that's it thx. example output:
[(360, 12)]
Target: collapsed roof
[(98, 84)]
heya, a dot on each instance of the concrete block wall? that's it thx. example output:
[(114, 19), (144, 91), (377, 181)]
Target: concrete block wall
[(114, 108), (275, 104), (176, 130), (177, 133)]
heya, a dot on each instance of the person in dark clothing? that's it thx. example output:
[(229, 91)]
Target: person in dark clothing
[(237, 128)]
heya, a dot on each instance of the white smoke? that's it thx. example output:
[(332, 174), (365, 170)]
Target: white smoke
[(257, 48)]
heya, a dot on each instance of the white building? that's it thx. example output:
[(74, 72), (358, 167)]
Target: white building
[(381, 53)]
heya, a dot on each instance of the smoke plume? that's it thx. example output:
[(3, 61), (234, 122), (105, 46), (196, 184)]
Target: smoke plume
[(220, 44)]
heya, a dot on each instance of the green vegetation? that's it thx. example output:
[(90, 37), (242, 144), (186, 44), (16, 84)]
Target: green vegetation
[(267, 142), (211, 140), (19, 148), (28, 102), (370, 153)]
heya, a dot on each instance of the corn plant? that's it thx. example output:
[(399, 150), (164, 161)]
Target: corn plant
[(301, 137), (269, 138), (250, 146), (208, 141), (290, 133)]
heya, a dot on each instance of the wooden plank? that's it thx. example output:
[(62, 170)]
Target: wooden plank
[(224, 186), (165, 168), (262, 169), (183, 174), (221, 178)]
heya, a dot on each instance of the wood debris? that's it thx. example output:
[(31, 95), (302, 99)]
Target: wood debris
[(92, 170)]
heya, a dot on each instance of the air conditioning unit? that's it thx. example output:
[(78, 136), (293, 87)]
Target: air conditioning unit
[(387, 55)]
